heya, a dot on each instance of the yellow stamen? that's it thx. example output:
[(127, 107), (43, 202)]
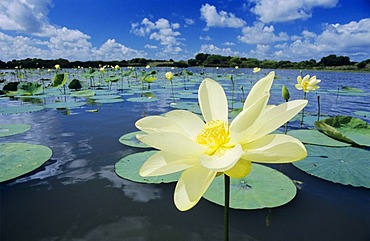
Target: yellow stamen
[(214, 135)]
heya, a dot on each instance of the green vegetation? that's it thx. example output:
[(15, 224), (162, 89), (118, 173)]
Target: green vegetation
[(330, 62)]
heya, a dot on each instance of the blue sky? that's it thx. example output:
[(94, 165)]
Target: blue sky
[(293, 30)]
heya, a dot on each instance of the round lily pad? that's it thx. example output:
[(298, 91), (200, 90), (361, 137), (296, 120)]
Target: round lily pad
[(190, 106), (364, 114), (20, 109), (346, 128), (315, 137), (63, 105), (17, 159), (83, 93), (345, 165), (188, 96), (142, 99), (13, 129), (109, 100), (264, 187), (103, 97), (128, 168), (130, 139)]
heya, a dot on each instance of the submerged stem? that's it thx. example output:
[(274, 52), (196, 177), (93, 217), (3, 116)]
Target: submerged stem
[(226, 208)]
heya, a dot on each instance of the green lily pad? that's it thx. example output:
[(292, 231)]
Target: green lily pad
[(346, 128), (103, 97), (83, 93), (190, 106), (345, 165), (13, 129), (142, 99), (106, 101), (315, 137), (128, 168), (264, 187), (17, 159), (351, 89), (130, 139), (20, 109), (64, 105), (365, 114)]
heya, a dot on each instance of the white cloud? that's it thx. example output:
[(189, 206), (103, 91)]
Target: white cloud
[(63, 46), (111, 50), (27, 15), (261, 34), (206, 38), (262, 52), (229, 44), (351, 39), (48, 41), (21, 47), (149, 46), (212, 49), (287, 10), (189, 21), (162, 30), (219, 19)]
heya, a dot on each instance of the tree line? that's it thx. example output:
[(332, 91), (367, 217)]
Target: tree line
[(201, 59)]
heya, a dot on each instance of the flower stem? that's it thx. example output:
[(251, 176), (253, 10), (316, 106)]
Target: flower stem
[(226, 208), (173, 95), (304, 97), (318, 108), (286, 124)]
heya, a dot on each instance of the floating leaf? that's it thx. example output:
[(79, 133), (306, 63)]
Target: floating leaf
[(110, 100), (83, 93), (190, 106), (365, 114), (345, 165), (130, 139), (17, 159), (128, 168), (264, 187), (351, 89), (20, 109), (346, 128), (92, 111), (315, 137), (102, 97), (142, 99), (13, 129), (64, 105)]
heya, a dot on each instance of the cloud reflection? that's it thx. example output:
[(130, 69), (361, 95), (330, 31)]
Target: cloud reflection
[(137, 192)]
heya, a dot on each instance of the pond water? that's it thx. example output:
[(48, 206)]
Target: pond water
[(76, 195)]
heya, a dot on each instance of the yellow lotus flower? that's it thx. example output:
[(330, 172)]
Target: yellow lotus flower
[(57, 66), (256, 70), (203, 149), (169, 75), (307, 84)]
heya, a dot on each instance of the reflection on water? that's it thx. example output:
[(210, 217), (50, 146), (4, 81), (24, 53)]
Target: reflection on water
[(142, 229), (137, 192), (77, 195)]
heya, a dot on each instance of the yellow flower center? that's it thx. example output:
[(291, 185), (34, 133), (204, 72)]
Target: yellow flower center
[(305, 85), (214, 135)]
